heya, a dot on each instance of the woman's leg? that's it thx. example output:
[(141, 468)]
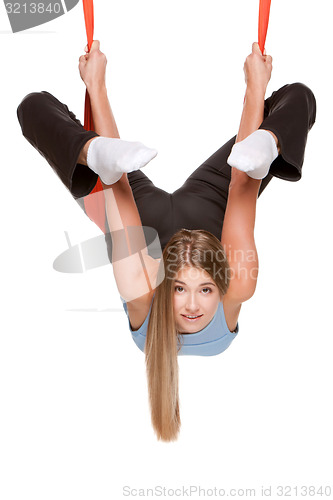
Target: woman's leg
[(290, 113), (154, 205), (60, 138), (201, 202)]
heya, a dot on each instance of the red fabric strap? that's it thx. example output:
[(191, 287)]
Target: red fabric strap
[(264, 8)]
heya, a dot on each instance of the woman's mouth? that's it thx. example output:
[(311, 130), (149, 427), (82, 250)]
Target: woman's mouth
[(191, 317)]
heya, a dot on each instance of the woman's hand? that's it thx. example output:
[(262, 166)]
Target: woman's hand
[(257, 69), (92, 67)]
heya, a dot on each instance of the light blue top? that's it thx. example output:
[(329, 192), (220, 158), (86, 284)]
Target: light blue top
[(210, 341)]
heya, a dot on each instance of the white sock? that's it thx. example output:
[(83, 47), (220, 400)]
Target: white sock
[(110, 158), (255, 154)]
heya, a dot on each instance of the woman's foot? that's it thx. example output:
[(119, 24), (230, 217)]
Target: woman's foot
[(255, 154), (109, 158)]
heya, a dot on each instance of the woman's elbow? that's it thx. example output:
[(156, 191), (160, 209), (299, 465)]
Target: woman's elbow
[(241, 290)]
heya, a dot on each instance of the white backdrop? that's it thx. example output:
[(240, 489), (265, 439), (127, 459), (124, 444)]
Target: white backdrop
[(74, 420)]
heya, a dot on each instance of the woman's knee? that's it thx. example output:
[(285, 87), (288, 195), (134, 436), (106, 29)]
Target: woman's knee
[(300, 97), (303, 90), (305, 94), (31, 103), (26, 106)]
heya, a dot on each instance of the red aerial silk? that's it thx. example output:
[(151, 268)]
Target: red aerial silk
[(264, 8), (94, 205)]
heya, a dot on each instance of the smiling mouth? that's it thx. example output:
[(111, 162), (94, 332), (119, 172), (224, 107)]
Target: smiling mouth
[(191, 317)]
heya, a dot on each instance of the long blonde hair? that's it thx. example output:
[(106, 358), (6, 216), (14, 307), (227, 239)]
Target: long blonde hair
[(187, 248)]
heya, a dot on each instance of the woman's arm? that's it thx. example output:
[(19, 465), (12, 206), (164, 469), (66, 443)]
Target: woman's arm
[(92, 68), (135, 271), (239, 221)]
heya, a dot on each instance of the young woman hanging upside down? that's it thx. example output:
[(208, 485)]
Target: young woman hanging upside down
[(188, 301)]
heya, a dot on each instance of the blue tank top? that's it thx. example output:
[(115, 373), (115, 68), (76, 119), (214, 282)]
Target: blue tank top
[(210, 341)]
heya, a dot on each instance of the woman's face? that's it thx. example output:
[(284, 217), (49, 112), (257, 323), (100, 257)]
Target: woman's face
[(195, 294)]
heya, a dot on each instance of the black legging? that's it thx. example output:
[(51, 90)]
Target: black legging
[(200, 203)]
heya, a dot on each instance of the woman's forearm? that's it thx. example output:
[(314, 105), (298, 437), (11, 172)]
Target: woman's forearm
[(253, 112), (104, 122), (251, 119)]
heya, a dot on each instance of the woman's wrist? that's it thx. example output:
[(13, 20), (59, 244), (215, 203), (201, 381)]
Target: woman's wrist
[(96, 88), (255, 91)]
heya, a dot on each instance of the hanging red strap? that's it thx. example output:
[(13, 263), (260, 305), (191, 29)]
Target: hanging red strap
[(94, 205), (264, 8)]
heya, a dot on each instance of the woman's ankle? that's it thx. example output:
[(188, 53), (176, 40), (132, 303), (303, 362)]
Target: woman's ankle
[(82, 159), (275, 139)]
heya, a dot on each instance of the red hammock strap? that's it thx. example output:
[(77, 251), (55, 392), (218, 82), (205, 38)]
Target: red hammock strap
[(88, 9), (264, 8), (94, 205)]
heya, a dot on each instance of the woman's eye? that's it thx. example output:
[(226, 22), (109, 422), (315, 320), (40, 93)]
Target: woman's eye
[(206, 291)]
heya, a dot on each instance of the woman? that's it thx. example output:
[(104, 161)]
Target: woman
[(187, 302)]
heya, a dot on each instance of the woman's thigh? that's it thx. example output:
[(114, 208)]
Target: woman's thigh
[(154, 205)]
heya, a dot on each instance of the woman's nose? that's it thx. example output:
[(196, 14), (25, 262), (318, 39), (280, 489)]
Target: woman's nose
[(192, 303)]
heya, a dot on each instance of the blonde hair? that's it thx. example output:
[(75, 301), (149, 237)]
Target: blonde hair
[(187, 248)]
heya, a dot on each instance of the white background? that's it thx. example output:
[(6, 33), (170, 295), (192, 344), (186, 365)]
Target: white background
[(75, 421)]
